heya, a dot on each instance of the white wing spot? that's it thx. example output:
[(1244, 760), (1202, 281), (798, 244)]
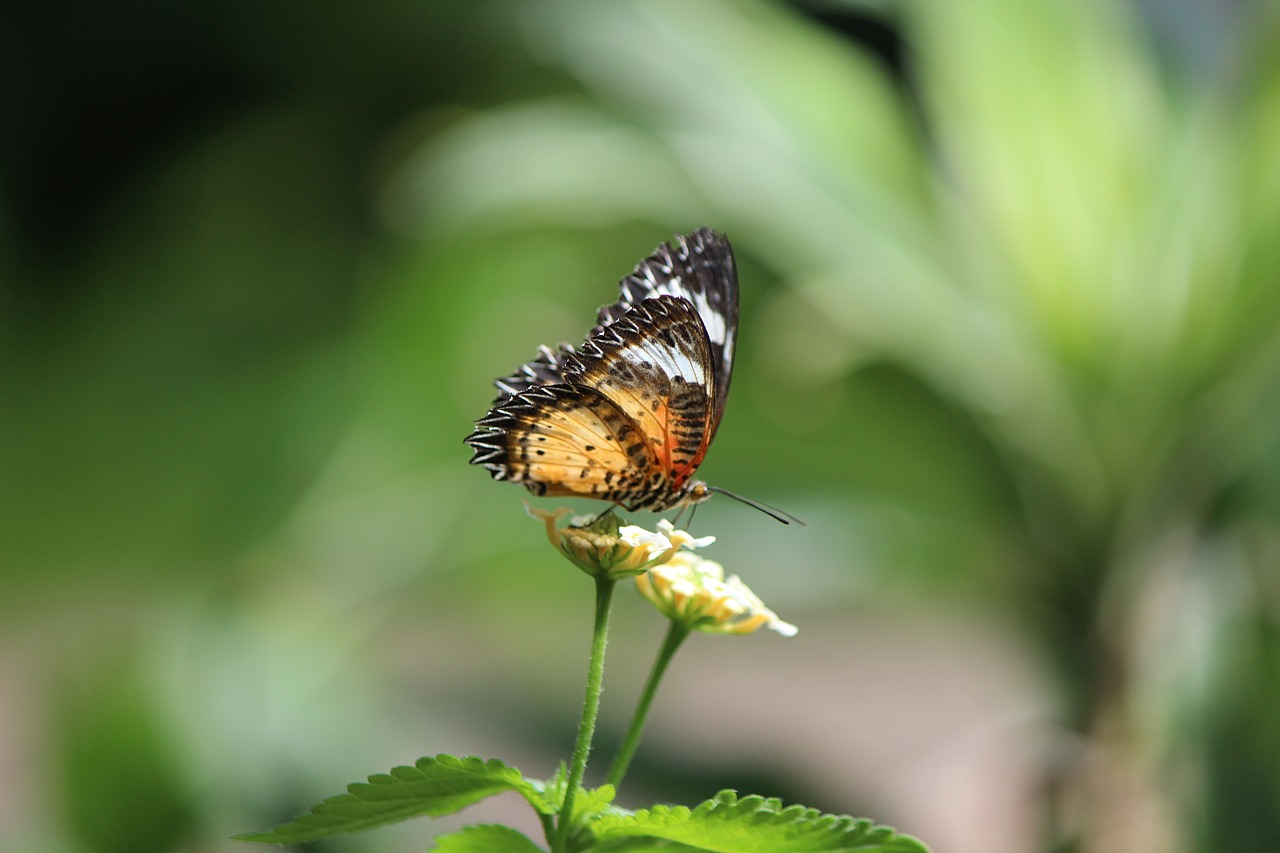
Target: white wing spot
[(672, 362), (712, 319)]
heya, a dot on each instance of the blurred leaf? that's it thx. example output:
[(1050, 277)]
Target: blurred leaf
[(194, 395), (748, 71), (123, 792), (1052, 125), (562, 158)]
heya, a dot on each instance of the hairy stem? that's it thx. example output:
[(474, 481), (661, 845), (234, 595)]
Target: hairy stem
[(590, 710)]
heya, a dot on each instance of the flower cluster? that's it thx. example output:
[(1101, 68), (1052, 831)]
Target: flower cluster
[(686, 588), (603, 546)]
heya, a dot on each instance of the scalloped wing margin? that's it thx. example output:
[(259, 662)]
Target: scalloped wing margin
[(698, 267)]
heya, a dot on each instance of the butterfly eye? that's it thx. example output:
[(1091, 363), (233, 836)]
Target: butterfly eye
[(698, 493)]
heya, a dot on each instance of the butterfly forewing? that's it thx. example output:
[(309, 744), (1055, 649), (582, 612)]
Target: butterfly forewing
[(698, 267), (654, 363)]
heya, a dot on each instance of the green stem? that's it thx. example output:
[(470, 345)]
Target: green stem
[(590, 709), (675, 636)]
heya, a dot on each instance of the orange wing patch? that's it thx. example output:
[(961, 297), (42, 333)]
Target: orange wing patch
[(566, 440), (655, 365), (629, 423)]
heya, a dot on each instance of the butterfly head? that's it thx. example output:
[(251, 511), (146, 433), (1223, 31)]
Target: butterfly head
[(696, 492)]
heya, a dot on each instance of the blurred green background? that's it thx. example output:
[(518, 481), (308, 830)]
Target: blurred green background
[(1008, 343)]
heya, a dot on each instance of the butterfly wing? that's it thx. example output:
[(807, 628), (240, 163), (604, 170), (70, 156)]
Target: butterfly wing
[(630, 423), (655, 365), (698, 267), (562, 440), (546, 369)]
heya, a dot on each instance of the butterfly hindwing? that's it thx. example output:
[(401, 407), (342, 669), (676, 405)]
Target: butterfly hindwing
[(546, 369)]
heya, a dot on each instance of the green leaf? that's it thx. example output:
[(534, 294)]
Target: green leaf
[(642, 845), (1053, 119), (726, 824), (434, 786), (589, 802), (592, 801), (551, 792), (486, 838)]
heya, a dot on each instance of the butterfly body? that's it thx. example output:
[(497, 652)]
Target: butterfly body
[(628, 416)]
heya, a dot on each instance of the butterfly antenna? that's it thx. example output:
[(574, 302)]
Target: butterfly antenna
[(772, 512)]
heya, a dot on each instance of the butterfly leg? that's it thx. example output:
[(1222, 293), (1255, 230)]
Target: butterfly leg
[(611, 510), (691, 508)]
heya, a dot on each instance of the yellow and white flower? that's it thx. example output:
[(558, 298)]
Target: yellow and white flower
[(602, 546), (682, 538), (693, 591), (685, 587)]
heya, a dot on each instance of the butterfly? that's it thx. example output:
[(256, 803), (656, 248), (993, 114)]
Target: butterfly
[(628, 416)]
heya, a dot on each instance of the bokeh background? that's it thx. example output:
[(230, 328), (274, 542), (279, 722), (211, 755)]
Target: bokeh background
[(1008, 344)]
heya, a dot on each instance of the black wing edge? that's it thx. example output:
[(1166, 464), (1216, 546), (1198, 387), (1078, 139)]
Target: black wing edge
[(546, 369), (698, 266), (489, 439)]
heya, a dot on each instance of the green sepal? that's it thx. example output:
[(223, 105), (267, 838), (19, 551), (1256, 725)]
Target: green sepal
[(433, 786), (588, 806), (727, 824), (551, 792), (591, 802), (550, 796), (486, 838)]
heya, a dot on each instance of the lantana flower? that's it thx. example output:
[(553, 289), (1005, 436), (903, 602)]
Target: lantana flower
[(693, 591), (681, 538), (604, 546)]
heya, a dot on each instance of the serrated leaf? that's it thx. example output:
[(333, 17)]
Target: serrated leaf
[(727, 824), (486, 838), (433, 786)]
